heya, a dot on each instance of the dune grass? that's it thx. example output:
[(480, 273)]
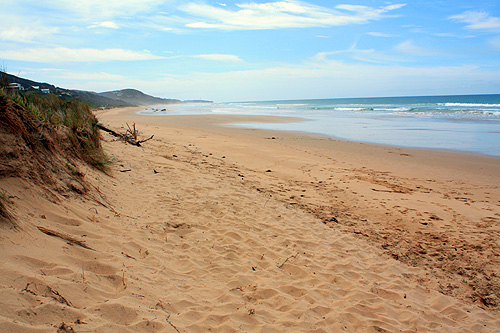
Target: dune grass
[(73, 114)]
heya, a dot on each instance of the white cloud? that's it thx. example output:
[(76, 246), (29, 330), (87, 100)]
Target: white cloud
[(449, 34), (84, 76), (478, 21), (107, 10), (409, 47), (367, 55), (63, 54), (381, 34), (57, 73), (219, 57), (105, 24), (25, 34), (281, 14), (20, 29), (367, 13)]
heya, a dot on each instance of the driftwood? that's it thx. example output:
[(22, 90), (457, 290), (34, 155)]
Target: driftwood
[(49, 292), (132, 133), (69, 239), (290, 257), (130, 136)]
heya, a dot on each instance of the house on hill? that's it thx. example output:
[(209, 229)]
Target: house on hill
[(15, 87)]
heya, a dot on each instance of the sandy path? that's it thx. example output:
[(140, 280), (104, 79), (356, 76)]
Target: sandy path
[(193, 233)]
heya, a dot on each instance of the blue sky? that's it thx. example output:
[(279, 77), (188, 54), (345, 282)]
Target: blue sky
[(256, 50)]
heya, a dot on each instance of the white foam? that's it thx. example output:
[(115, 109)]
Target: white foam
[(470, 105), (351, 109)]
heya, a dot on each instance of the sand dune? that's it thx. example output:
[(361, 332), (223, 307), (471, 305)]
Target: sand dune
[(232, 230)]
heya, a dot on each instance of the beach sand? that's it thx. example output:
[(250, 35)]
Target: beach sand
[(213, 227)]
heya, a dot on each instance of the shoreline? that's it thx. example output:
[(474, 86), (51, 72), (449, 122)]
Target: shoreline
[(428, 128), (241, 120), (227, 123)]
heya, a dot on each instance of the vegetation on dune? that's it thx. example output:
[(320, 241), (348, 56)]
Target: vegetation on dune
[(72, 114), (42, 139)]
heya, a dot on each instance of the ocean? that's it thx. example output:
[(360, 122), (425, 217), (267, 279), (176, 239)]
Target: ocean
[(469, 123)]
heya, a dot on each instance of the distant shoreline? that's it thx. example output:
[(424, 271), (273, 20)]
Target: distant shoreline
[(459, 123)]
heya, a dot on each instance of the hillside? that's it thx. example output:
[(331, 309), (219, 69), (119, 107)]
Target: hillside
[(116, 98), (89, 97), (136, 97)]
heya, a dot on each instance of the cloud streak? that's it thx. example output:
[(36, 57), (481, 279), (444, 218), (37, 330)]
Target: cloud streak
[(477, 20), (63, 54), (219, 57), (25, 34), (105, 10), (381, 34), (21, 29), (280, 15), (367, 56), (408, 47), (105, 24)]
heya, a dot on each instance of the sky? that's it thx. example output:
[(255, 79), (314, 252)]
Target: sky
[(247, 50)]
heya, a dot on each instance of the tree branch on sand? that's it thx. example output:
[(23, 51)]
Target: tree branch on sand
[(69, 239), (130, 136)]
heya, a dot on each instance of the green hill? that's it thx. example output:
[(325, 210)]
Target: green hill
[(136, 97)]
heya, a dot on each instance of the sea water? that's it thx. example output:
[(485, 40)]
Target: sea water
[(464, 123)]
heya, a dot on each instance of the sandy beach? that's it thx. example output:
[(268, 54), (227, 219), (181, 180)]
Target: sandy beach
[(211, 227)]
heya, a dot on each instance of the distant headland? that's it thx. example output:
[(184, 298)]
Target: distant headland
[(116, 98)]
